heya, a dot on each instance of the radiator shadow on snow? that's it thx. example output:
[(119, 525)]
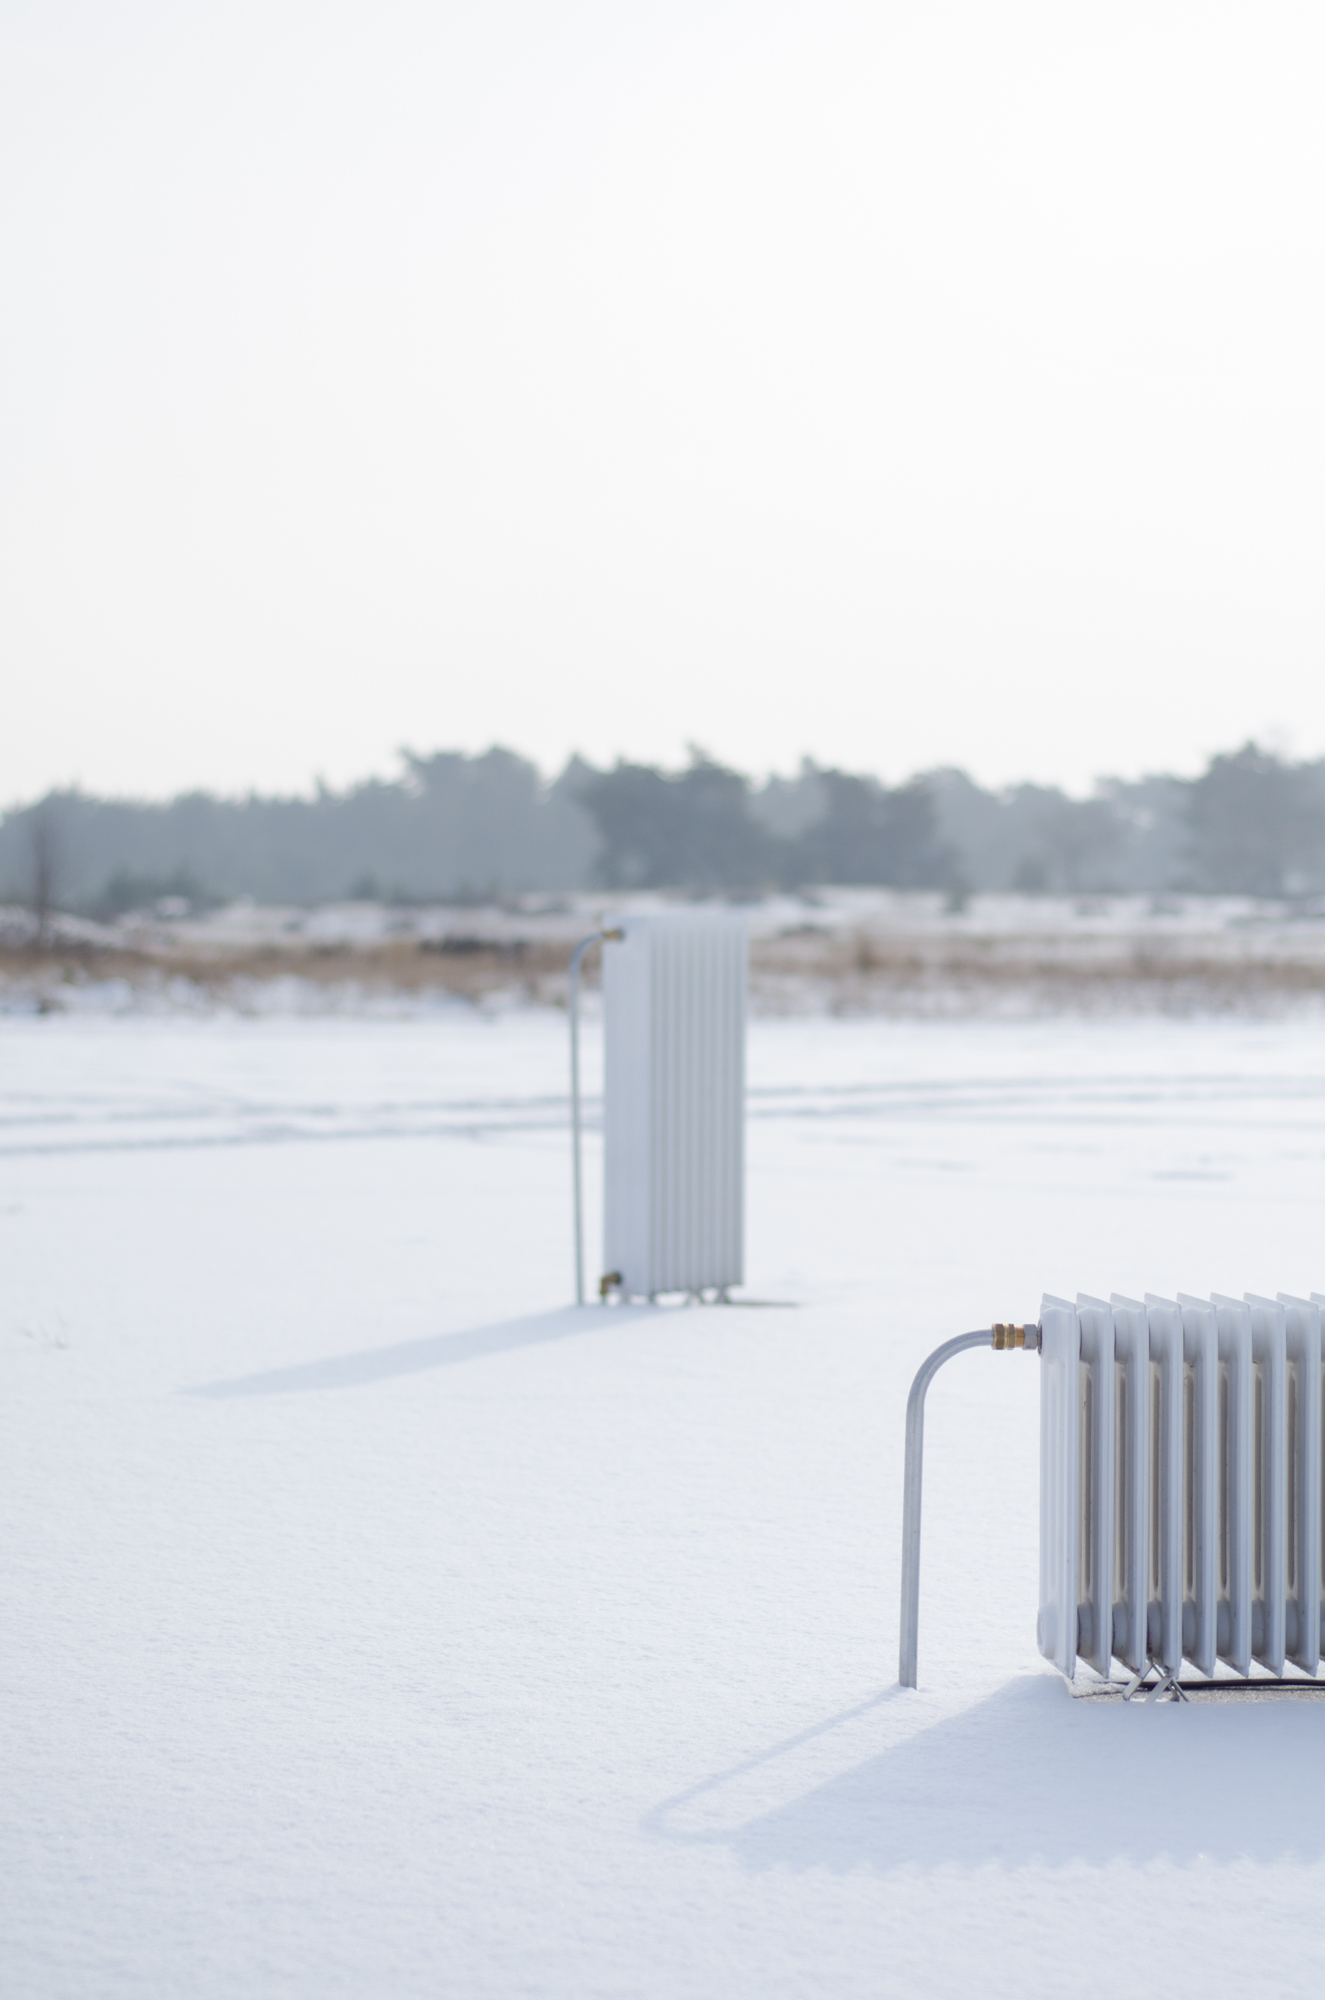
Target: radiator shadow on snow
[(1032, 1775), (412, 1357)]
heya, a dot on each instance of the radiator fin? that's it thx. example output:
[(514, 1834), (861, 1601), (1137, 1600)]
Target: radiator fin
[(1200, 1556), (1236, 1472), (1269, 1355), (1096, 1474), (1165, 1620), (1131, 1342), (1302, 1331), (1060, 1431)]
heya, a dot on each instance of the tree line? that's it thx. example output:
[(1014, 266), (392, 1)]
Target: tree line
[(473, 828)]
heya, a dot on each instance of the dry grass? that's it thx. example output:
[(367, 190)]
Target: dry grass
[(870, 974), (536, 972), (800, 972)]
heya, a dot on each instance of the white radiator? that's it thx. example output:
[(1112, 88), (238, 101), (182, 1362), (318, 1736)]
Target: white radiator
[(1180, 1482), (674, 1103)]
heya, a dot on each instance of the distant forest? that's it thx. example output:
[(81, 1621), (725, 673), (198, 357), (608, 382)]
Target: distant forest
[(459, 828)]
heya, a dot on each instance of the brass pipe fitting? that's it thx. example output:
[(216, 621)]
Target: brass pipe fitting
[(1008, 1335)]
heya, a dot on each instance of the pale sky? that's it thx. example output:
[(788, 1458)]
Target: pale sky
[(905, 385)]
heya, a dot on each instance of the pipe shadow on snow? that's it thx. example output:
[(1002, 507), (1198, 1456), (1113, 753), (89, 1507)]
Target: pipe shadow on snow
[(412, 1357), (1032, 1775)]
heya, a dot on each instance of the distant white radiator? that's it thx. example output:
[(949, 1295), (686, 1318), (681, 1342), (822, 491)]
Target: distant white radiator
[(1180, 1482), (674, 1102)]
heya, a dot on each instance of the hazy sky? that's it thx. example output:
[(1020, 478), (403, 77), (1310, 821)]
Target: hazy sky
[(908, 384)]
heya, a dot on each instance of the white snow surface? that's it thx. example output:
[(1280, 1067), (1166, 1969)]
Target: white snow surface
[(377, 1624)]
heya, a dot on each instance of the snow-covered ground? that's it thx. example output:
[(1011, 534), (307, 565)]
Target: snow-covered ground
[(1287, 925), (375, 1624)]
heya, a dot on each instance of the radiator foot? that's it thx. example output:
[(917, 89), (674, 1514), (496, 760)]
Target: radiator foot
[(1167, 1684)]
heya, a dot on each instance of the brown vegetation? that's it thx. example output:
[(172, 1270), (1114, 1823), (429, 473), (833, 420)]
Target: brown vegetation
[(805, 970), (535, 971), (868, 973)]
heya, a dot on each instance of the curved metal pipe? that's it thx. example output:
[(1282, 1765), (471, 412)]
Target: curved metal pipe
[(996, 1336)]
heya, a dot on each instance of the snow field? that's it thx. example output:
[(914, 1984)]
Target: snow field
[(378, 1625)]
